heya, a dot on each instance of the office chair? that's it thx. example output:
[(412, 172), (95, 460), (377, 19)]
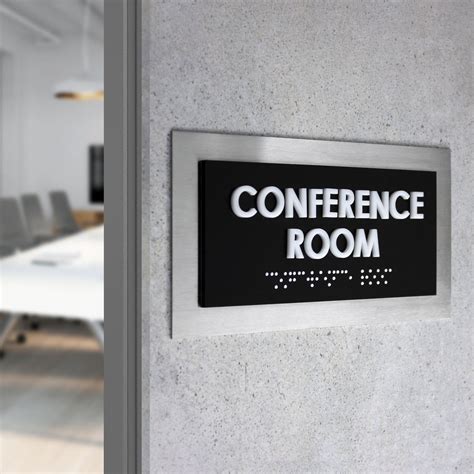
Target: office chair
[(13, 233), (35, 219), (13, 237), (63, 217)]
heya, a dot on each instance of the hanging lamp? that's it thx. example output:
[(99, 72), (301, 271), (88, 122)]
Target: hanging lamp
[(83, 86)]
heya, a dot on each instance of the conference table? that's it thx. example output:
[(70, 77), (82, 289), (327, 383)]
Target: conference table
[(62, 278)]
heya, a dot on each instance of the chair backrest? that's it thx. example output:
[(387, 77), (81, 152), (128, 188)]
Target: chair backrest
[(13, 233), (62, 213), (35, 219)]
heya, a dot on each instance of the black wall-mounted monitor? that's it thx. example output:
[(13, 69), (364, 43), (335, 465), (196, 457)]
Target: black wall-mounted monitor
[(96, 174)]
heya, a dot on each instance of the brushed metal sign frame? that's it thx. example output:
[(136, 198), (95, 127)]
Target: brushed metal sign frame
[(188, 319)]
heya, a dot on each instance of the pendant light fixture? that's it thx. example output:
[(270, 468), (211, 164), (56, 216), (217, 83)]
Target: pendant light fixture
[(83, 86)]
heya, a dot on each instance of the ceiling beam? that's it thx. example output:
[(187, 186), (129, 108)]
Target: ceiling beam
[(28, 23), (97, 20), (96, 10), (74, 11)]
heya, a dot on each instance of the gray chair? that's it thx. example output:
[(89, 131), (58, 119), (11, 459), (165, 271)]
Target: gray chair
[(63, 218), (14, 236), (35, 220), (13, 233)]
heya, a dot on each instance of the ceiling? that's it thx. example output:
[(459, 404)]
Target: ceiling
[(53, 20)]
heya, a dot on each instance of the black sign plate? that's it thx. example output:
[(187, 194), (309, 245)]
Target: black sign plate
[(281, 233)]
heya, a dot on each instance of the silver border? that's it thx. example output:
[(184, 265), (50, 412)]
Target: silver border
[(188, 319)]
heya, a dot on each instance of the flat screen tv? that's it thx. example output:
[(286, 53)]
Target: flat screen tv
[(96, 174)]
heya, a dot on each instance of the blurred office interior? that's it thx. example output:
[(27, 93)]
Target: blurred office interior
[(51, 235)]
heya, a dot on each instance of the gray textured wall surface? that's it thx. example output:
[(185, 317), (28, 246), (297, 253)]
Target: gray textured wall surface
[(393, 398)]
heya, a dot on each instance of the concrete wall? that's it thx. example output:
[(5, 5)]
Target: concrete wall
[(392, 398)]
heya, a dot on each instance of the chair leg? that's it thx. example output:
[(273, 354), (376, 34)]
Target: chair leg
[(8, 327), (97, 330), (35, 324)]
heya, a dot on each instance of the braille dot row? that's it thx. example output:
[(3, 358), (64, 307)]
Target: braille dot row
[(329, 272), (312, 272), (377, 282), (378, 270), (368, 276), (284, 273)]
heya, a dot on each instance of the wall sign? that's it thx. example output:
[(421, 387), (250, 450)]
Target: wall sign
[(284, 233), (353, 233)]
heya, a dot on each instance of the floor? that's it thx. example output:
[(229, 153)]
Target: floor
[(51, 397)]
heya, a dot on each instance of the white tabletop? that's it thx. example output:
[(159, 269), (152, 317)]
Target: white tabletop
[(63, 278)]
